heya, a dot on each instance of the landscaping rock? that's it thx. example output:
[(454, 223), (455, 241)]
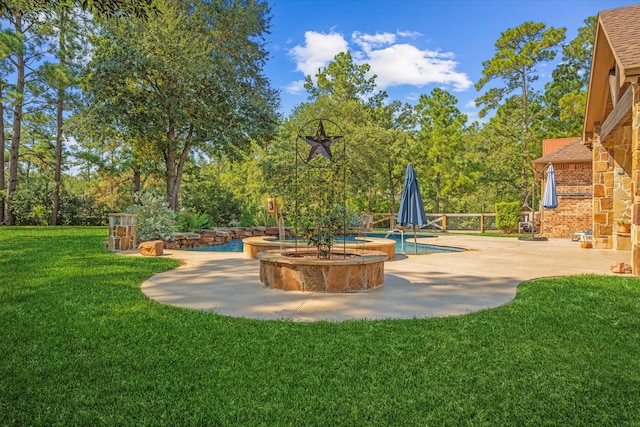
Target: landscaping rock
[(586, 244), (151, 248), (620, 267)]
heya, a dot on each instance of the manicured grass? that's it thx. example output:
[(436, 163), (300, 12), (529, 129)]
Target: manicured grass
[(81, 345)]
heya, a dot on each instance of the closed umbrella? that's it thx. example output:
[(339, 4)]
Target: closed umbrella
[(550, 198), (411, 208)]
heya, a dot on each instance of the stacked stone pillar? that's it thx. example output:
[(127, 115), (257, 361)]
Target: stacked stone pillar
[(635, 180), (122, 232), (602, 193)]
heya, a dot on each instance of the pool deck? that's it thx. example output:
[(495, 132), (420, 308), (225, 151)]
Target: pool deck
[(416, 286)]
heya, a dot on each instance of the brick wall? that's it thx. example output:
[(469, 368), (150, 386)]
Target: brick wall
[(575, 205)]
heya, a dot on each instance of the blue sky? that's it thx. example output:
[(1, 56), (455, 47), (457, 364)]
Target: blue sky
[(413, 46)]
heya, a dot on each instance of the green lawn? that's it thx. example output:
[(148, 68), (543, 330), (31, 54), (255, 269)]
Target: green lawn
[(81, 345)]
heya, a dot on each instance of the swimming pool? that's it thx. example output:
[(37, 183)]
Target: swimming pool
[(406, 247)]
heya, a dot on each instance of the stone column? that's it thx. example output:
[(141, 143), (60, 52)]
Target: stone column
[(602, 193), (635, 179), (122, 232)]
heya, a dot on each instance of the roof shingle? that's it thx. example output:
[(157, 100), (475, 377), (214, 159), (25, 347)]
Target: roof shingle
[(623, 32), (574, 152)]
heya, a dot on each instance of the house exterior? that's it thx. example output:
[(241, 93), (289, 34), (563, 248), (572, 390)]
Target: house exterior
[(612, 129), (571, 161)]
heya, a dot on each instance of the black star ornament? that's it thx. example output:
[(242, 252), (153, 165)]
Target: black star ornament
[(320, 143)]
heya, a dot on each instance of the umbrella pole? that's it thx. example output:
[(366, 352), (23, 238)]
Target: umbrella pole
[(415, 240)]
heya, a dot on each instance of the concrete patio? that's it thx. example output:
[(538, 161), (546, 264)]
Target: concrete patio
[(416, 286)]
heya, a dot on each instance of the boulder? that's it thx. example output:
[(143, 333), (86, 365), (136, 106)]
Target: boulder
[(151, 248), (620, 267)]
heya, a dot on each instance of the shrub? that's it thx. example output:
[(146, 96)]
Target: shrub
[(207, 196), (155, 220), (190, 222), (31, 203), (81, 210), (507, 216)]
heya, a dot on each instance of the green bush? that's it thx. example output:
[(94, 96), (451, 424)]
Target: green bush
[(81, 210), (32, 203), (507, 216), (190, 222), (154, 218), (207, 196)]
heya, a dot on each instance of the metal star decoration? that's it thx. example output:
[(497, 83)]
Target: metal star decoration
[(320, 143)]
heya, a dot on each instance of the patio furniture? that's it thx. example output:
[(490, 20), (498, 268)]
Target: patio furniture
[(581, 236)]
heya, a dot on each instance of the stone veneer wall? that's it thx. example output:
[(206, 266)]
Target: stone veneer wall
[(220, 236), (574, 211), (612, 171), (635, 180), (122, 232)]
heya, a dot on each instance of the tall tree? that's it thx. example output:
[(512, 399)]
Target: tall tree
[(518, 52), (189, 79), (3, 87), (344, 80), (68, 31), (439, 147), (501, 157), (565, 96), (22, 46), (100, 8)]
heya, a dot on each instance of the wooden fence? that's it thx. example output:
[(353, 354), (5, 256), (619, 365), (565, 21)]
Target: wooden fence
[(480, 222)]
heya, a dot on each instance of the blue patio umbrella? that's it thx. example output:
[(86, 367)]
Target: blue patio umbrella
[(411, 208), (550, 198)]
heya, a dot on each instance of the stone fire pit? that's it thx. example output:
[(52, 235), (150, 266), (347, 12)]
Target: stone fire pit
[(355, 270)]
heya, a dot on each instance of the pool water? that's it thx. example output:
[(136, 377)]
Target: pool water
[(408, 247)]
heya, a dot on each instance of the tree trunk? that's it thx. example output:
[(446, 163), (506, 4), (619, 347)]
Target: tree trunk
[(170, 161), (15, 136), (525, 137), (55, 208), (392, 188), (135, 188), (437, 203), (175, 166), (2, 147)]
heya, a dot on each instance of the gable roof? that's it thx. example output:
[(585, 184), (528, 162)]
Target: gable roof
[(621, 27), (616, 45), (574, 152)]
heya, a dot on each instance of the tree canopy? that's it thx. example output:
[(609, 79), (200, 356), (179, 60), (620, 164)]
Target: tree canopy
[(150, 95)]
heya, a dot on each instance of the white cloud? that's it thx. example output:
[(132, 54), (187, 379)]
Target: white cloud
[(319, 49), (368, 41), (394, 63), (295, 87), (409, 34), (404, 64)]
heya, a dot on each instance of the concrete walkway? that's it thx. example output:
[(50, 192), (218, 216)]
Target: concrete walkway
[(419, 286)]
